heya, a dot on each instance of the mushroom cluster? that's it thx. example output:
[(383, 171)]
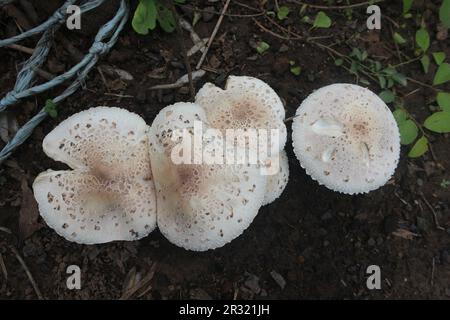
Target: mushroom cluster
[(183, 174), (124, 181)]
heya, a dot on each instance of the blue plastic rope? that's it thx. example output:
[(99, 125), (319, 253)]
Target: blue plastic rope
[(100, 46)]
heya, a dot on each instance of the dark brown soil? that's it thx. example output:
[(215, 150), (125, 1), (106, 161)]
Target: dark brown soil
[(319, 241)]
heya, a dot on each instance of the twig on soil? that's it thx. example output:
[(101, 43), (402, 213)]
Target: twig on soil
[(118, 95), (44, 74), (144, 282), (27, 271), (180, 82), (183, 49), (6, 230), (21, 48), (290, 119), (188, 27), (435, 219), (295, 35), (234, 15), (236, 292), (103, 78), (244, 5), (433, 265), (270, 31), (350, 6), (213, 34), (3, 267)]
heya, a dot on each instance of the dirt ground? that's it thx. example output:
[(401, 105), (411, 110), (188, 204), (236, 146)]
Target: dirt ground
[(318, 241)]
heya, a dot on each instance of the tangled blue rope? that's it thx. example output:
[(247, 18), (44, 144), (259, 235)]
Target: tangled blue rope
[(23, 89)]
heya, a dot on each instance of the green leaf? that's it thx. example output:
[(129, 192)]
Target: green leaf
[(389, 71), (444, 13), (354, 67), (387, 96), (425, 61), (364, 55), (283, 13), (408, 132), (165, 18), (443, 100), (442, 75), (407, 6), (400, 116), (398, 38), (144, 18), (400, 78), (357, 53), (339, 62), (382, 82), (296, 70), (364, 81), (419, 148), (439, 57), (262, 47), (196, 18), (180, 1), (50, 108), (322, 20), (438, 122), (390, 83), (423, 39)]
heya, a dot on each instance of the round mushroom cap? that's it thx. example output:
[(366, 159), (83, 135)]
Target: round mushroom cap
[(346, 138), (276, 183), (245, 103), (200, 206), (109, 195)]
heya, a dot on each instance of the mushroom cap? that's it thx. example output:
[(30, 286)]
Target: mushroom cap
[(346, 138), (277, 182), (245, 103), (200, 206), (109, 195)]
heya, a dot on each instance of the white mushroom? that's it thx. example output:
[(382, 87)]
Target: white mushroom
[(276, 183), (245, 103), (109, 195), (200, 206), (346, 138)]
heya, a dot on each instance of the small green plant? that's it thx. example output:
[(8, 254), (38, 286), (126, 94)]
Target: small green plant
[(419, 148), (322, 20), (398, 38), (444, 13), (149, 12), (295, 70), (50, 108), (442, 74), (283, 12), (407, 4), (262, 47), (407, 127), (445, 183), (443, 101), (439, 57)]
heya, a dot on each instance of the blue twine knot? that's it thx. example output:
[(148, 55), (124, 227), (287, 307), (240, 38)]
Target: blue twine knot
[(9, 99), (99, 48)]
